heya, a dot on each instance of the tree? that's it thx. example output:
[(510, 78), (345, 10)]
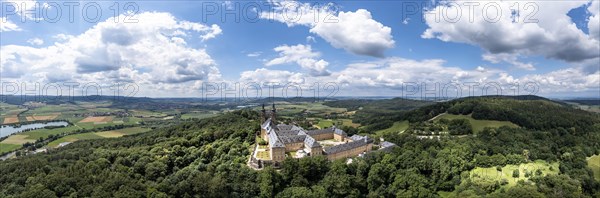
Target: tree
[(516, 173)]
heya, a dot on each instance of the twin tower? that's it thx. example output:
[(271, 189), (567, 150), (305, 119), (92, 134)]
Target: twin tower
[(272, 115)]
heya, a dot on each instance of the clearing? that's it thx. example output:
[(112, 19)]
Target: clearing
[(478, 125), (398, 127), (594, 164), (99, 119)]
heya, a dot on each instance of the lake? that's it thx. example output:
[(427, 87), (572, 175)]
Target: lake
[(8, 130)]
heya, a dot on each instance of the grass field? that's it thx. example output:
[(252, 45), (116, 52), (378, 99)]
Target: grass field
[(8, 147), (325, 124), (491, 174), (594, 163), (98, 135), (478, 125), (396, 128), (199, 115)]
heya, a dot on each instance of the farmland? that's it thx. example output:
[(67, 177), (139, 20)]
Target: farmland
[(99, 135)]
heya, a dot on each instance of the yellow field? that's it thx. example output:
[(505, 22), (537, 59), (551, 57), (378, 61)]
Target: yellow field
[(17, 139), (11, 120), (98, 119), (42, 117), (110, 134)]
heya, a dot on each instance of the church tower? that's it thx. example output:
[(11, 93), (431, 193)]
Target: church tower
[(263, 115)]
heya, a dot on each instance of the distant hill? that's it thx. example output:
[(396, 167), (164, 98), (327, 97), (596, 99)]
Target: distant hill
[(376, 115), (532, 112)]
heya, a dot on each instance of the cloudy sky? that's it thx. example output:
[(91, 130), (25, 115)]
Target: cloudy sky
[(364, 48)]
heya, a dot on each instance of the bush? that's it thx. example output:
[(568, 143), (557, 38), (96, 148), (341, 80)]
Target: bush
[(516, 173)]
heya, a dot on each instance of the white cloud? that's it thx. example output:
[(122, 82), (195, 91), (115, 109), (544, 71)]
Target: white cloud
[(8, 26), (35, 41), (254, 54), (553, 36), (355, 32), (263, 75), (131, 52), (303, 56), (310, 39), (405, 21), (211, 32), (508, 58)]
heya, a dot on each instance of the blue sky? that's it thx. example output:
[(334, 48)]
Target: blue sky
[(368, 48)]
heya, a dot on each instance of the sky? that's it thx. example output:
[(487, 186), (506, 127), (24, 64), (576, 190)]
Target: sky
[(300, 48)]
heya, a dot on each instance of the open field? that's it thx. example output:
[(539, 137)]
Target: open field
[(199, 115), (11, 120), (17, 140), (478, 125), (396, 128), (325, 124), (97, 119), (8, 147), (75, 137), (98, 135), (123, 132), (42, 117), (594, 164), (491, 174)]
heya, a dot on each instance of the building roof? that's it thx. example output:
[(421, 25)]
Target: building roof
[(310, 142), (386, 144), (339, 132), (292, 139), (348, 146), (319, 131), (266, 124)]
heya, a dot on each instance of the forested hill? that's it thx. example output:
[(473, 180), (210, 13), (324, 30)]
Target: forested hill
[(204, 157), (378, 114), (531, 112)]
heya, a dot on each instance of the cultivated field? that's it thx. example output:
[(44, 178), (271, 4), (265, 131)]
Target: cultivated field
[(97, 119), (98, 135), (11, 120), (42, 117)]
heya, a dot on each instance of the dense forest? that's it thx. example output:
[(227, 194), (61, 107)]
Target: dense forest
[(207, 158)]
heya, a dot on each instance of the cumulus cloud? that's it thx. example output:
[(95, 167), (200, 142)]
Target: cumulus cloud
[(355, 32), (140, 52), (263, 75), (303, 56), (554, 35), (35, 41), (8, 26)]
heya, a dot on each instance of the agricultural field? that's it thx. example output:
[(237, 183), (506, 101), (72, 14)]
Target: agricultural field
[(316, 108), (198, 115), (491, 174), (8, 147), (478, 125), (10, 120), (99, 135), (594, 164), (398, 127)]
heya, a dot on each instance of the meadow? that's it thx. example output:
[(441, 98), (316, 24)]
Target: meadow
[(478, 125), (594, 164), (398, 127), (98, 135), (480, 175)]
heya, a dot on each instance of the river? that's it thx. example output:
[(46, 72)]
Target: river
[(8, 130)]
